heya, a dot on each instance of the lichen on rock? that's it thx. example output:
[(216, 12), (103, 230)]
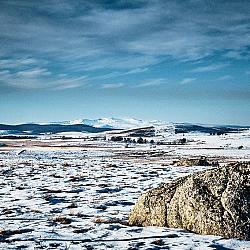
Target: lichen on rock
[(215, 201)]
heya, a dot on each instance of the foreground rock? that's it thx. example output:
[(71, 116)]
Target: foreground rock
[(215, 201)]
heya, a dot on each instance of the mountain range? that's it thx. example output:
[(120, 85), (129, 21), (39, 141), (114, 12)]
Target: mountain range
[(108, 124)]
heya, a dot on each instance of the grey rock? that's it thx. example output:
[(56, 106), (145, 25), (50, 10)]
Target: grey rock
[(202, 161), (215, 201)]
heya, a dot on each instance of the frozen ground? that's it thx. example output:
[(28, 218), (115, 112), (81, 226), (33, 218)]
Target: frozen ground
[(77, 194)]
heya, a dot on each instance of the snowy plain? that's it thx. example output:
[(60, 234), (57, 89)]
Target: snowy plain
[(77, 193)]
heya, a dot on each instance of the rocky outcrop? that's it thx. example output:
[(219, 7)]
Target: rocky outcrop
[(215, 201), (202, 161)]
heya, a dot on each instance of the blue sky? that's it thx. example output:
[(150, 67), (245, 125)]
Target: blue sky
[(178, 60)]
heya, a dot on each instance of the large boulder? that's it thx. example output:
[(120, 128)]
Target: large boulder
[(215, 201)]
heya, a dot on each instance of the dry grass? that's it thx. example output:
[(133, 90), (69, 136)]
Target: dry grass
[(62, 220)]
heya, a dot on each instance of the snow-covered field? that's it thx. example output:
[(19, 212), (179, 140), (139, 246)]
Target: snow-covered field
[(77, 194)]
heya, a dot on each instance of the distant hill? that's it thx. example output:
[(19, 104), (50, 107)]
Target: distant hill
[(187, 128), (37, 129)]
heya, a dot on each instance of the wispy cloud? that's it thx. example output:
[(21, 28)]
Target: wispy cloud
[(15, 63), (208, 68), (112, 85), (40, 78), (136, 71), (117, 62), (77, 37), (119, 74), (187, 80), (35, 72), (69, 85), (68, 82), (153, 28), (224, 78), (151, 83)]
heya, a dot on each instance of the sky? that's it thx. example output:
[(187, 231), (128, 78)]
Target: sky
[(171, 60)]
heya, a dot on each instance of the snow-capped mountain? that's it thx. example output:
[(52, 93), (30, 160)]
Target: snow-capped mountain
[(120, 123), (160, 127)]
